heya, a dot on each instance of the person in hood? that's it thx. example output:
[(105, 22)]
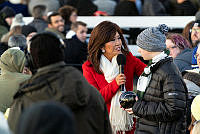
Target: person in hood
[(12, 63), (55, 81)]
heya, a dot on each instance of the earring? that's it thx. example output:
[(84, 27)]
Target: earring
[(103, 51)]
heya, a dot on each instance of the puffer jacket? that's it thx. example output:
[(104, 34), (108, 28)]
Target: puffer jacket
[(58, 82), (162, 110)]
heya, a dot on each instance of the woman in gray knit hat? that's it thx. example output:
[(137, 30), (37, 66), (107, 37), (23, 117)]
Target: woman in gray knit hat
[(161, 103)]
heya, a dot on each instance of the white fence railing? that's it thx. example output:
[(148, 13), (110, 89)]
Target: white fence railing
[(133, 21)]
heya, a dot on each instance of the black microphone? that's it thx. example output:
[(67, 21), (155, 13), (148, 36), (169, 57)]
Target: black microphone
[(121, 61)]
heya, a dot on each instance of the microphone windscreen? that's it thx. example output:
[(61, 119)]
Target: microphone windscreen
[(121, 59)]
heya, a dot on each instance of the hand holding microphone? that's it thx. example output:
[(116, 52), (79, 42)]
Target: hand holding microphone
[(121, 79), (127, 98)]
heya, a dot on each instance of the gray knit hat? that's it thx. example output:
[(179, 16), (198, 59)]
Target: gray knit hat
[(153, 39)]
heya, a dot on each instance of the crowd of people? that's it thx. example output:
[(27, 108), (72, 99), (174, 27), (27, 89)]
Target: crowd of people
[(54, 79)]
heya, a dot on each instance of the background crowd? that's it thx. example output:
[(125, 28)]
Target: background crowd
[(67, 77)]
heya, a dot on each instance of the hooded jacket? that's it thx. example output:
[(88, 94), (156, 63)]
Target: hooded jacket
[(64, 84), (12, 62)]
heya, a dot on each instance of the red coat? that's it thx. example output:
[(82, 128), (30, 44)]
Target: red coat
[(133, 67)]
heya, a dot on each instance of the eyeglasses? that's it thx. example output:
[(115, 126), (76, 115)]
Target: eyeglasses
[(196, 56)]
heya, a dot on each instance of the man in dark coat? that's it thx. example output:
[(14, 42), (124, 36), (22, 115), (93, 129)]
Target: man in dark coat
[(58, 82)]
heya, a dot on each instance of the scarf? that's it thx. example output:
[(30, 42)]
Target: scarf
[(120, 120), (145, 78)]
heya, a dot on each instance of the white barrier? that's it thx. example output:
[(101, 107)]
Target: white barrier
[(133, 21)]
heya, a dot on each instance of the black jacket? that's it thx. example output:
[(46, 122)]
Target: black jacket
[(163, 107), (64, 84), (75, 52)]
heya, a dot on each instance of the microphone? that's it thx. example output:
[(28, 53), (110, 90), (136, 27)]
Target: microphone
[(121, 61)]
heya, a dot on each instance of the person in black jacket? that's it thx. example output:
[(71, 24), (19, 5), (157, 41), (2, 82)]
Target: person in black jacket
[(76, 47), (162, 93)]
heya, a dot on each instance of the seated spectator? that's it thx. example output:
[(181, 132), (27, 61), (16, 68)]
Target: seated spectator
[(195, 114), (69, 14), (4, 128), (55, 81), (56, 24), (180, 51), (39, 22), (6, 16), (46, 117), (12, 63), (76, 47)]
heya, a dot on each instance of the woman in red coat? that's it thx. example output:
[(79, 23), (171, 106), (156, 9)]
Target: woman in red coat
[(102, 71)]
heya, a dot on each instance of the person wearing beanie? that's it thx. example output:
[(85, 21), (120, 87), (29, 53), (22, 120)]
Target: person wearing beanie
[(6, 16), (17, 21), (47, 117), (195, 114), (162, 94), (12, 63)]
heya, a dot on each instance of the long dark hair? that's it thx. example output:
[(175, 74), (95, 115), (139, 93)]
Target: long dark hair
[(101, 34)]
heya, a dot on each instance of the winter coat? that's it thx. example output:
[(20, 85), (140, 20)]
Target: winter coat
[(64, 84), (12, 63), (162, 110), (184, 60), (39, 24), (75, 52), (61, 35), (133, 67)]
